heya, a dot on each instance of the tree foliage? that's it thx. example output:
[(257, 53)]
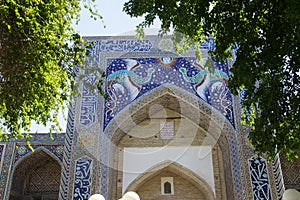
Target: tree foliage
[(265, 35), (38, 51)]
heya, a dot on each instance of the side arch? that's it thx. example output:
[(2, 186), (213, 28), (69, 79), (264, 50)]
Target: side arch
[(178, 169), (37, 175)]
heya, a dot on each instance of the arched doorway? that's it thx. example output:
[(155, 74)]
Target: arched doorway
[(195, 125), (182, 182), (36, 177)]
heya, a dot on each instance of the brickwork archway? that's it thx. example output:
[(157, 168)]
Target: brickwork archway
[(187, 184)]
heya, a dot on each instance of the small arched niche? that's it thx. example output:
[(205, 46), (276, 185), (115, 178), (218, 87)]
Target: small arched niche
[(167, 186), (36, 177)]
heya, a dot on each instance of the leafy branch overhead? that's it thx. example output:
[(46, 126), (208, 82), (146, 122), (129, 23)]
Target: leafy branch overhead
[(266, 37), (38, 51)]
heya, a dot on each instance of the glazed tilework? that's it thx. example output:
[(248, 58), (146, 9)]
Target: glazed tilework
[(23, 150), (278, 176), (159, 77), (45, 137), (259, 178), (33, 169), (65, 175), (88, 107), (138, 74), (137, 111), (236, 169), (67, 153), (130, 78), (40, 142), (6, 169), (89, 97), (2, 148), (124, 45), (290, 172), (82, 179), (10, 156), (104, 159), (46, 178)]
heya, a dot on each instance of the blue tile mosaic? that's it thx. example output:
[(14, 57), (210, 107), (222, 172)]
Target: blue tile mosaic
[(259, 178), (130, 78), (65, 177), (2, 148), (124, 45), (236, 168), (23, 150), (82, 179), (6, 169), (1, 151), (88, 107), (278, 176)]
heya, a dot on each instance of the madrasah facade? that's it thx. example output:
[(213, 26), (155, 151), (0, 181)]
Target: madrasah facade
[(169, 129)]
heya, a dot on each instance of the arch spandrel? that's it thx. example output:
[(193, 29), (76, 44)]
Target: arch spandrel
[(170, 97), (27, 152), (128, 79)]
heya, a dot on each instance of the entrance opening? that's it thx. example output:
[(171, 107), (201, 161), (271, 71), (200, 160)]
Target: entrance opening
[(36, 177)]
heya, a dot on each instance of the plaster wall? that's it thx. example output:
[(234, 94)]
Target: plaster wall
[(140, 160)]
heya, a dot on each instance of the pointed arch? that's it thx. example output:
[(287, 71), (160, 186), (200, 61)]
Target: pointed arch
[(176, 99), (36, 175), (167, 187), (187, 105), (41, 148), (178, 169)]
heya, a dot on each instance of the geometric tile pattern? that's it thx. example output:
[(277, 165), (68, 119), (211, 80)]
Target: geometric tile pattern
[(82, 179), (290, 172), (45, 178), (278, 176), (38, 171), (140, 104), (6, 168), (45, 137), (2, 148), (105, 143), (259, 178), (67, 152), (235, 168), (23, 149)]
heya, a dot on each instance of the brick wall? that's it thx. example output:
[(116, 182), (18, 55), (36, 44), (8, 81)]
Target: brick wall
[(183, 189)]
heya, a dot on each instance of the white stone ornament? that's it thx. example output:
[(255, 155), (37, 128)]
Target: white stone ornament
[(130, 196), (291, 194), (96, 197)]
